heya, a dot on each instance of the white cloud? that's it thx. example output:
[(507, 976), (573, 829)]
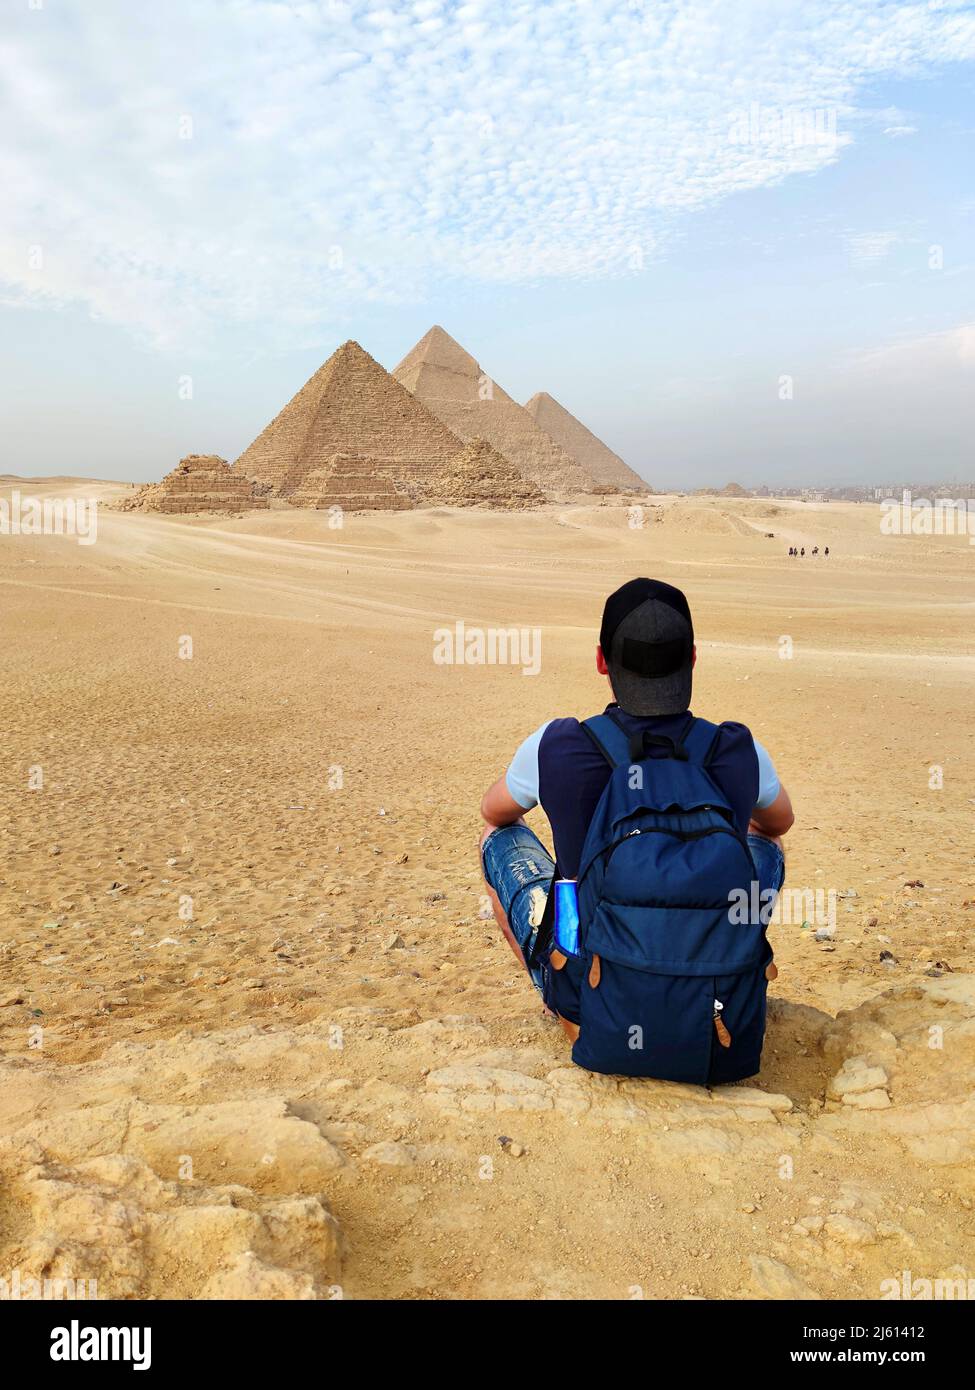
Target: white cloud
[(498, 141), (867, 248)]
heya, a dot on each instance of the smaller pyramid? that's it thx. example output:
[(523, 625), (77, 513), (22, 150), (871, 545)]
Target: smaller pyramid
[(733, 490), (199, 483), (353, 483), (599, 461), (480, 476)]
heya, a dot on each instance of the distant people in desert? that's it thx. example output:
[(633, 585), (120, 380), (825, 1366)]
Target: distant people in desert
[(650, 809)]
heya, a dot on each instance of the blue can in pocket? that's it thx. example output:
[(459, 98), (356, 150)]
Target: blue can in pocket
[(566, 929)]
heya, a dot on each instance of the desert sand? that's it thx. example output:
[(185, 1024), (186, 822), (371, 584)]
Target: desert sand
[(258, 1037)]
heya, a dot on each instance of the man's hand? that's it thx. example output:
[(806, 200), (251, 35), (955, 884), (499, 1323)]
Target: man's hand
[(775, 819), (498, 806)]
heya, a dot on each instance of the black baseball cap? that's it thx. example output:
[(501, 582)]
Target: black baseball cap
[(647, 638)]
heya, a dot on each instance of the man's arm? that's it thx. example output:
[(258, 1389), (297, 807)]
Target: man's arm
[(775, 818), (498, 806)]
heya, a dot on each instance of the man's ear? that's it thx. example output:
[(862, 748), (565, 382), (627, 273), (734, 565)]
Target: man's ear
[(601, 666), (693, 656)]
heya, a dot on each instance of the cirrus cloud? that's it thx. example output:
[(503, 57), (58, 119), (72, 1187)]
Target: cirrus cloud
[(264, 166)]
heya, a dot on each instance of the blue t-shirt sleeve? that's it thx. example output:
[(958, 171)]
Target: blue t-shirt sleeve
[(521, 778), (768, 781)]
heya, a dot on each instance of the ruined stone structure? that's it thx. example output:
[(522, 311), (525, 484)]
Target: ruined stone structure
[(453, 386), (355, 484), (595, 457), (351, 406), (480, 476), (199, 483)]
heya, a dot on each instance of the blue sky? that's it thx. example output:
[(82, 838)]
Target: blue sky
[(656, 212)]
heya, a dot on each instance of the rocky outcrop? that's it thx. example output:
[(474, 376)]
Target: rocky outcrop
[(207, 1165)]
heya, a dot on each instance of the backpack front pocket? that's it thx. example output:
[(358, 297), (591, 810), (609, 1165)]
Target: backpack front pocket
[(637, 1023)]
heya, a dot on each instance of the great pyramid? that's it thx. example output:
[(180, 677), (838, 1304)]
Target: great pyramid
[(581, 444), (355, 484), (350, 406), (453, 386), (480, 475), (199, 483)]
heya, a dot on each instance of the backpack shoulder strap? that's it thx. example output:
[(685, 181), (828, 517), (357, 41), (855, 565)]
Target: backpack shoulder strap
[(609, 738), (700, 742)]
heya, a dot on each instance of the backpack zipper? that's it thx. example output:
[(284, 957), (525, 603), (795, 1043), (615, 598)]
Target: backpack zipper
[(724, 1037), (685, 835)]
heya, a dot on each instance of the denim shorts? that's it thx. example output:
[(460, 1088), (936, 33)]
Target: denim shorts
[(520, 870)]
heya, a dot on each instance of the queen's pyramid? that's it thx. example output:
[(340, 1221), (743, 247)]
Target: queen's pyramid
[(198, 483), (480, 476), (355, 484)]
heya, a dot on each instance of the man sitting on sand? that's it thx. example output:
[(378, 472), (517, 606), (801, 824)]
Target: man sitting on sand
[(646, 650)]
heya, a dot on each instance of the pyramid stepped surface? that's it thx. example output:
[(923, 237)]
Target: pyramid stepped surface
[(199, 483), (351, 406), (355, 484), (581, 444), (449, 381), (482, 476)]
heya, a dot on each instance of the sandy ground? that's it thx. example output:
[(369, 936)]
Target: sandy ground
[(257, 1036)]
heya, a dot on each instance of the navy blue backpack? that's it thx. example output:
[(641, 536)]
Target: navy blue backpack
[(673, 981)]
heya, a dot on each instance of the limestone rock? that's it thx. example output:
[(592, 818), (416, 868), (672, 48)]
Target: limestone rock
[(751, 1096), (856, 1077), (849, 1229), (868, 1100), (114, 1224), (253, 1142), (389, 1154), (250, 1279), (773, 1279), (483, 1089)]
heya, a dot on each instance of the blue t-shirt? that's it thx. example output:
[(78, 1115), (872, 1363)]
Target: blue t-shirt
[(560, 769)]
